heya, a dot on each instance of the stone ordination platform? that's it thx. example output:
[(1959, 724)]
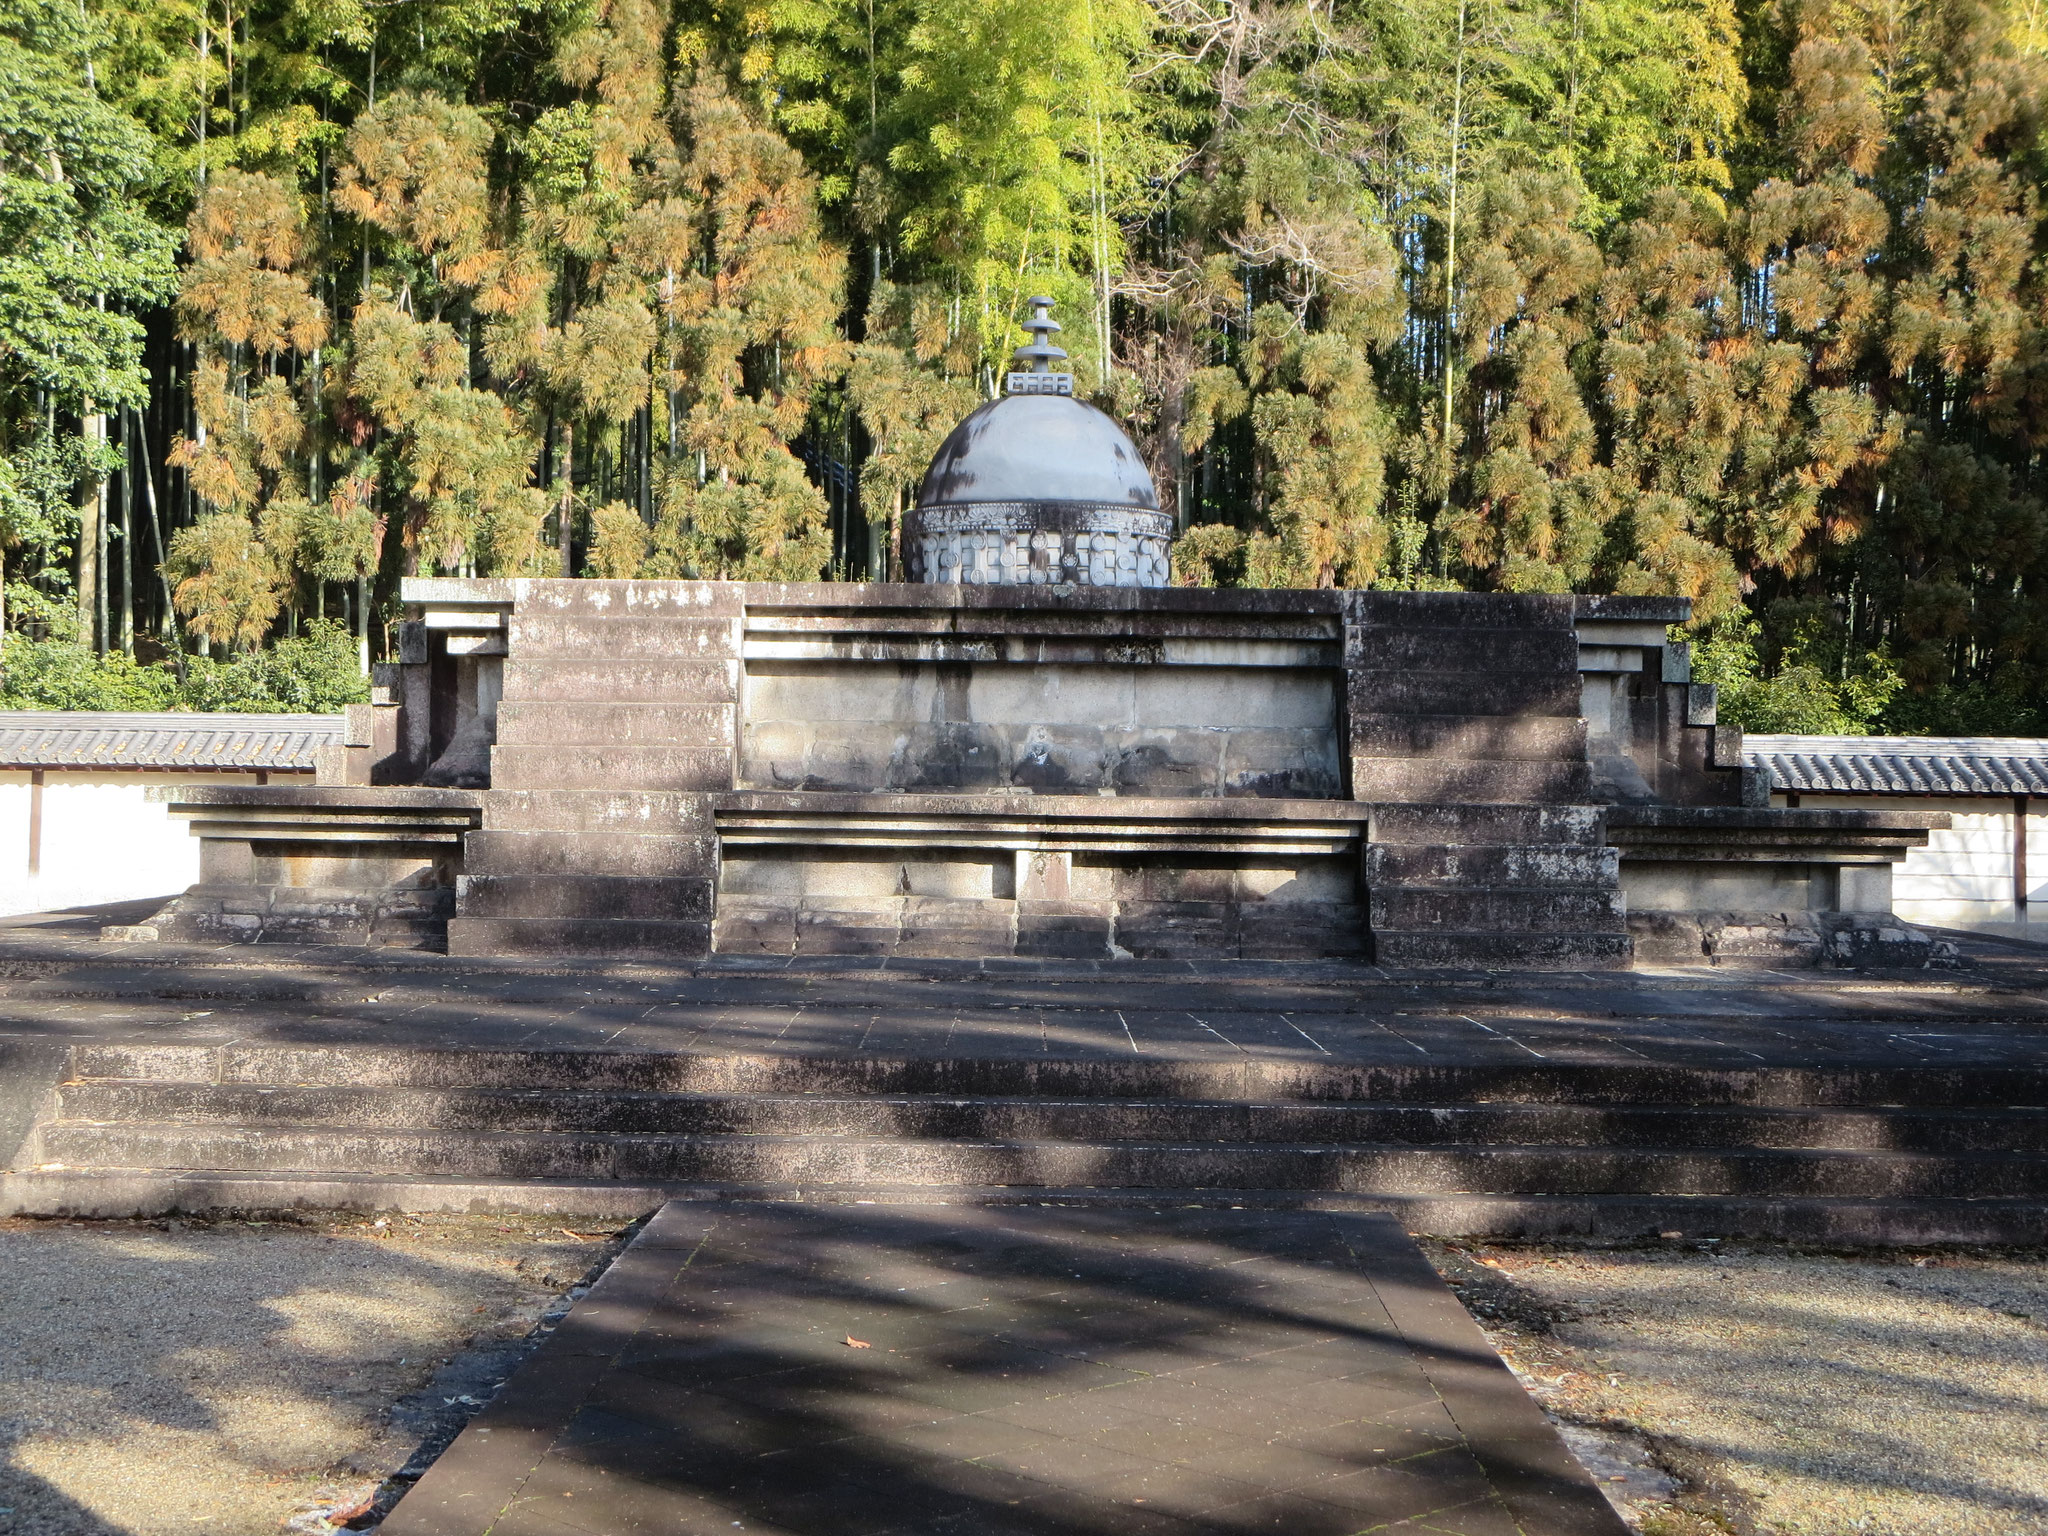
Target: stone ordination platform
[(666, 770), (861, 1371), (1880, 1107)]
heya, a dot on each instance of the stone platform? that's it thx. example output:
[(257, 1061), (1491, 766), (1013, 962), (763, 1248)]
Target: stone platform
[(894, 1372), (1878, 1107)]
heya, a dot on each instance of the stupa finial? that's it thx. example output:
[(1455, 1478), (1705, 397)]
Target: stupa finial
[(1033, 374)]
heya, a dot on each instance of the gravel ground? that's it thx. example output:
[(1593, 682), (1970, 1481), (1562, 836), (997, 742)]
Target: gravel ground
[(251, 1376), (1725, 1388)]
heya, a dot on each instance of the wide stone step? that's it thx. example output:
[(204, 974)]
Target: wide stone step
[(1435, 780), (1538, 738), (627, 637), (538, 723), (1543, 910), (658, 680), (802, 1160), (1441, 825), (254, 1106), (1823, 1222), (857, 1069), (702, 768), (1501, 949), (1481, 864), (625, 938)]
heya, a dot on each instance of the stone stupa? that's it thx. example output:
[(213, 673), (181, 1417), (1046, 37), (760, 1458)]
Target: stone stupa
[(1038, 488)]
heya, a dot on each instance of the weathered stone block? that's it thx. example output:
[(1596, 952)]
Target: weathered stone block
[(660, 768), (577, 679), (1487, 824), (1546, 864), (1489, 951), (578, 936), (949, 756), (664, 898), (1177, 930), (630, 599), (561, 724), (1535, 738), (1421, 610), (1270, 698), (640, 812), (538, 636), (1438, 780), (1282, 764), (589, 853), (1055, 760), (1167, 763), (1496, 910), (1532, 694), (1462, 650)]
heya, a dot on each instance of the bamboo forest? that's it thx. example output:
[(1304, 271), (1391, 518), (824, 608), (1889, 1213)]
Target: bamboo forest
[(1743, 300)]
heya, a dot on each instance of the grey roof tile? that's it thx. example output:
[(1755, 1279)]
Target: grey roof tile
[(1902, 765), (92, 739)]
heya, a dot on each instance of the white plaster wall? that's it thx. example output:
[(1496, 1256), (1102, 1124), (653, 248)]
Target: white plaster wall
[(104, 839), (1963, 875)]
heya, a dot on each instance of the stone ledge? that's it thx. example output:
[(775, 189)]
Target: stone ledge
[(1048, 823), (1735, 834)]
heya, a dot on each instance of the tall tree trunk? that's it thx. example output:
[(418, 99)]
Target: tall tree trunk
[(1451, 254), (92, 537), (565, 513), (128, 539), (158, 539)]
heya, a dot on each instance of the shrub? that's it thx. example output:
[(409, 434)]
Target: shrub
[(313, 673), (1799, 698)]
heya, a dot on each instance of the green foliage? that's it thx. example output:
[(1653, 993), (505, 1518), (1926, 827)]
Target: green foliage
[(311, 673), (62, 674), (76, 245), (1740, 302), (1798, 697)]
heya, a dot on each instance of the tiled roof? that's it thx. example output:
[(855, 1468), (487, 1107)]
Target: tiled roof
[(1902, 765), (90, 739)]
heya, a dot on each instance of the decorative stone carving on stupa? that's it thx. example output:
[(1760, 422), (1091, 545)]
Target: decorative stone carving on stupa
[(1038, 488)]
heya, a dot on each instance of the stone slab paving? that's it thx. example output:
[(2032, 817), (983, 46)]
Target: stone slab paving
[(856, 1371), (58, 989)]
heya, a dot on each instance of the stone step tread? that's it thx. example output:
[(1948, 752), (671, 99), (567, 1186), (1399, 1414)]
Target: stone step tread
[(109, 1101), (1387, 1171), (1083, 1075), (56, 1134), (1915, 1220)]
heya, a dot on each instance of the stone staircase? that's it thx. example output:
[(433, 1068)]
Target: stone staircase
[(1852, 1155), (630, 686), (1485, 848)]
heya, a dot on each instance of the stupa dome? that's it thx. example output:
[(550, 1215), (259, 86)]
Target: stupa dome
[(1038, 488)]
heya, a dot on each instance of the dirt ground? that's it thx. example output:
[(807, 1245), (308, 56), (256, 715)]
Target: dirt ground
[(1729, 1388), (246, 1377)]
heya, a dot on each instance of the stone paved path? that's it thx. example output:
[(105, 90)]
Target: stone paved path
[(849, 1371)]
